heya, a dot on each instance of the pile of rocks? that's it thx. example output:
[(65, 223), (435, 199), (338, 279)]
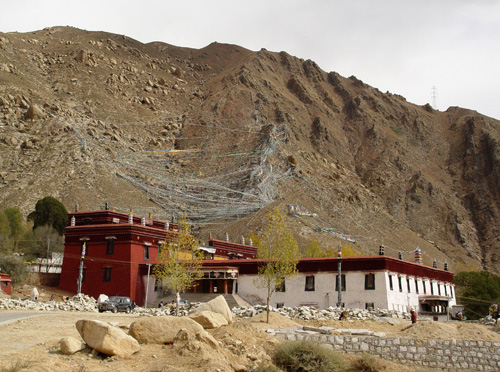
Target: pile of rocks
[(79, 302), (311, 313)]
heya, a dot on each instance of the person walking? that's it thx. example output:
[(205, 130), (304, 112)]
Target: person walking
[(413, 316)]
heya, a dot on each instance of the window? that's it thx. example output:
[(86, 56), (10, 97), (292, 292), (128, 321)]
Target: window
[(439, 289), (400, 284), (432, 288), (416, 287), (146, 252), (370, 281), (309, 283), (107, 274), (110, 246), (408, 285), (451, 292), (342, 282), (391, 286), (369, 305), (281, 287), (425, 287), (445, 290)]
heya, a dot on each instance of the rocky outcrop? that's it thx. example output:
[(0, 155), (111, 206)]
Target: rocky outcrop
[(209, 319), (107, 339), (70, 345), (217, 305), (161, 330)]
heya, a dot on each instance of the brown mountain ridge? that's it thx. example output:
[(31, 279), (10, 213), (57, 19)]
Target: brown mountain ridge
[(224, 134)]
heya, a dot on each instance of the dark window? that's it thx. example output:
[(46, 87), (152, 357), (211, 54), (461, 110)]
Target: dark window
[(445, 290), (391, 287), (146, 252), (110, 246), (425, 287), (451, 292), (432, 288), (408, 285), (281, 287), (439, 289), (416, 286), (107, 274), (309, 283), (87, 220), (369, 305), (400, 284), (370, 281), (342, 282)]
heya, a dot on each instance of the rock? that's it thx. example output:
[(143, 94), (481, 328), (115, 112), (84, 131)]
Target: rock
[(209, 319), (185, 336), (107, 339), (161, 330), (34, 112), (217, 305), (70, 345)]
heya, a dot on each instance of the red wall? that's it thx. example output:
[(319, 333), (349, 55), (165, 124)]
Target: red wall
[(127, 262), (5, 284)]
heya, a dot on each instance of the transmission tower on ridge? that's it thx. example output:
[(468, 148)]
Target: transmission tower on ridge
[(434, 97)]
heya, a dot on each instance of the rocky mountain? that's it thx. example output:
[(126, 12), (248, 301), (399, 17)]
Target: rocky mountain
[(223, 134)]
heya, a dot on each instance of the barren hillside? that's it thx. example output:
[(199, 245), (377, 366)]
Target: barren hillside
[(224, 133)]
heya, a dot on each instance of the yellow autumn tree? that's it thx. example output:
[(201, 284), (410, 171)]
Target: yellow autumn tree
[(279, 252), (179, 261)]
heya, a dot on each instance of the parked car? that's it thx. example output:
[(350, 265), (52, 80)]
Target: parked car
[(116, 304)]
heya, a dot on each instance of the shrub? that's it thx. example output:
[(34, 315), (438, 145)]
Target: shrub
[(304, 356), (15, 267), (367, 363)]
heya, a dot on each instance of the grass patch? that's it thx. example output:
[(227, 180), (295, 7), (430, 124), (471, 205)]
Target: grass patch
[(367, 363), (304, 356), (396, 129), (17, 365)]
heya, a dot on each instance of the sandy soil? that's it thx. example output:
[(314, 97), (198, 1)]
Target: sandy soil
[(243, 343)]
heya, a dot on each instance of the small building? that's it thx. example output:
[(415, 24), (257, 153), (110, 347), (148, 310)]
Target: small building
[(113, 252), (5, 284)]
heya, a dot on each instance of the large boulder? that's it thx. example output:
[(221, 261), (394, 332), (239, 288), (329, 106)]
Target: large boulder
[(217, 305), (107, 339), (161, 329), (209, 319), (70, 345)]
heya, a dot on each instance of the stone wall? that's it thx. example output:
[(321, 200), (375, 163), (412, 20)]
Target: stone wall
[(448, 355)]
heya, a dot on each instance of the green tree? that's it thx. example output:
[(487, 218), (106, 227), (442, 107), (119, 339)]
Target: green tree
[(15, 267), (279, 252), (179, 261), (477, 290), (314, 249), (49, 211), (15, 219), (5, 241)]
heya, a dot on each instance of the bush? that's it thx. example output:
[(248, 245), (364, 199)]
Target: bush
[(15, 267), (304, 356), (367, 363)]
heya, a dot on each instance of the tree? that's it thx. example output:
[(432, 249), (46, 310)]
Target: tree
[(314, 249), (477, 290), (49, 211), (15, 219), (279, 252), (179, 261), (15, 267)]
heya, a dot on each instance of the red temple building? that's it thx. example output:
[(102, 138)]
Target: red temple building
[(5, 284)]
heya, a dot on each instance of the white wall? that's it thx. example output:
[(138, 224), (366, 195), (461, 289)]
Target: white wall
[(355, 296)]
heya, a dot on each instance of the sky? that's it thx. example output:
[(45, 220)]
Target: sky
[(442, 52)]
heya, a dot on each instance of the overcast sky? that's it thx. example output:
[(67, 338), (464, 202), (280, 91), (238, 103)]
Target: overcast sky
[(401, 46)]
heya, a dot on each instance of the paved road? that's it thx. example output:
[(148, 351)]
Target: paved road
[(7, 317)]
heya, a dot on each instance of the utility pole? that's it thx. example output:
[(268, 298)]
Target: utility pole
[(339, 276), (48, 255), (434, 97), (82, 259), (147, 288)]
